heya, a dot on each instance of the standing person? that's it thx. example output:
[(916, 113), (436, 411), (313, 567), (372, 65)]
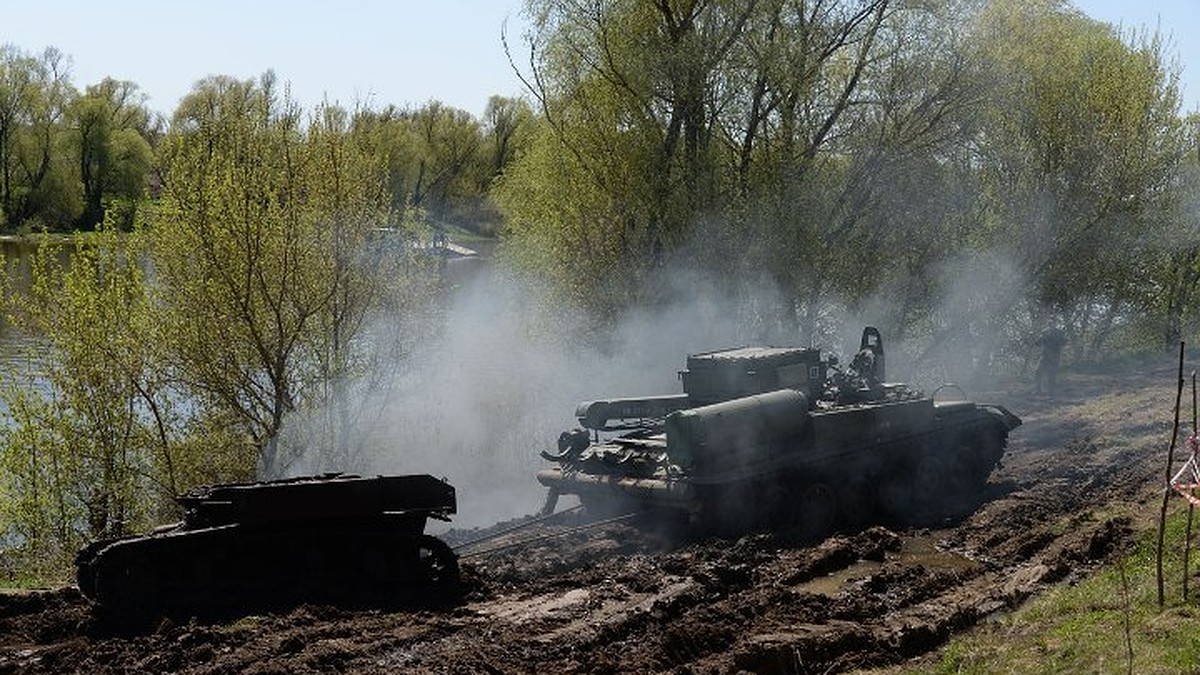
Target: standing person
[(1051, 342)]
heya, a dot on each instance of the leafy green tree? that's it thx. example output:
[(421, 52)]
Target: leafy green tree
[(1172, 292), (832, 147), (35, 178), (449, 143), (114, 155), (662, 116), (438, 160), (18, 89), (95, 447), (623, 158), (1076, 154), (244, 326), (854, 154), (507, 123), (257, 254)]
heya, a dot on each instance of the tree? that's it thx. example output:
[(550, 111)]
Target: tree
[(98, 448), (111, 124), (507, 127), (506, 122), (439, 161), (17, 91), (247, 323), (1176, 277), (624, 158), (35, 94), (858, 156), (663, 116), (258, 254), (1075, 158)]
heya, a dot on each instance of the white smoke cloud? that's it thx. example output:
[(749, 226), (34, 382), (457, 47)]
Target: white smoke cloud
[(502, 378), (503, 374)]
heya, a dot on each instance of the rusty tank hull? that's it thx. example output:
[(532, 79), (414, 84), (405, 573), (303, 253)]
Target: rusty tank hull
[(335, 539), (770, 437)]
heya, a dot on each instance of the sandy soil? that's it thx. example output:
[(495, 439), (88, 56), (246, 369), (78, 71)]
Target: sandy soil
[(1078, 475)]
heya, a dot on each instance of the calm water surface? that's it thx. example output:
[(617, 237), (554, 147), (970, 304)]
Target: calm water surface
[(21, 353)]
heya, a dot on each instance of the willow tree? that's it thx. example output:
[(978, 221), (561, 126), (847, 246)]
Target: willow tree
[(93, 444), (766, 122), (1076, 154), (36, 180), (441, 161), (1177, 266), (839, 113), (624, 158), (260, 257), (111, 125)]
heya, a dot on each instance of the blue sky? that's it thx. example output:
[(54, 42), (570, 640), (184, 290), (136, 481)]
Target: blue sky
[(368, 51), (1177, 20), (372, 51)]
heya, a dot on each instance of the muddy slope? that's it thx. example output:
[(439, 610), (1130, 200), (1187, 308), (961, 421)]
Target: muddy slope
[(622, 598)]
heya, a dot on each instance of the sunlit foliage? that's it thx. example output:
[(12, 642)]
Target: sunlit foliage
[(862, 156), (959, 172)]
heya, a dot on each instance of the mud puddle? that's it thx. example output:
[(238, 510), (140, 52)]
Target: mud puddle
[(927, 550)]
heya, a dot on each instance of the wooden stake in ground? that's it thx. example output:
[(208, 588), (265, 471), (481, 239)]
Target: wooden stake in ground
[(1187, 537), (1162, 518)]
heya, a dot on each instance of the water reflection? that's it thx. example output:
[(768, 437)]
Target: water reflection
[(22, 353)]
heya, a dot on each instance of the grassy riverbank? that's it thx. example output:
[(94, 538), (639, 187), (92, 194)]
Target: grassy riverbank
[(1109, 622)]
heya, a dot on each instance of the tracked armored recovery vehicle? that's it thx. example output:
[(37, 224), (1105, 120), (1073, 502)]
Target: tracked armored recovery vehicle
[(337, 539), (782, 438)]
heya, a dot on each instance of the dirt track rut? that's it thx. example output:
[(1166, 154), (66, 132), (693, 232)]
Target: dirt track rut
[(623, 599)]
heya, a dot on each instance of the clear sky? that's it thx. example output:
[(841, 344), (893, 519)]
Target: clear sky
[(376, 52), (372, 51)]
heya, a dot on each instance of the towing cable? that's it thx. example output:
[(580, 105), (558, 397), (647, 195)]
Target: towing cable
[(536, 538)]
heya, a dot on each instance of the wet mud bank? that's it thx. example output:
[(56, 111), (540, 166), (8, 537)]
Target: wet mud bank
[(622, 598)]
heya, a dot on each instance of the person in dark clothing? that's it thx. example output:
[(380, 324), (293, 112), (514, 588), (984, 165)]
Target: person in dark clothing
[(1051, 342)]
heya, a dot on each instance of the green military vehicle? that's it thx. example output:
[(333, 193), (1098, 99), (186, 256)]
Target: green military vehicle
[(780, 437)]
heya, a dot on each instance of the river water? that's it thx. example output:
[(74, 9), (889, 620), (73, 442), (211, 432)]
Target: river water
[(20, 355)]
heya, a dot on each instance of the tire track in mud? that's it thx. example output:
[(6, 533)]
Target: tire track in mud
[(628, 599), (1054, 514)]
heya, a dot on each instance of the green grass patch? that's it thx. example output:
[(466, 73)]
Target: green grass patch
[(29, 581), (1082, 628)]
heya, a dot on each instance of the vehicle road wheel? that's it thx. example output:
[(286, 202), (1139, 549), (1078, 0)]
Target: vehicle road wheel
[(857, 503), (437, 564), (816, 509)]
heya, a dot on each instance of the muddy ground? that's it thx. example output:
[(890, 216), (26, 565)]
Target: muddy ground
[(1078, 477)]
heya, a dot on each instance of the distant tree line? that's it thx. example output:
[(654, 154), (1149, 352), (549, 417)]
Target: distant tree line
[(69, 157), (961, 172)]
